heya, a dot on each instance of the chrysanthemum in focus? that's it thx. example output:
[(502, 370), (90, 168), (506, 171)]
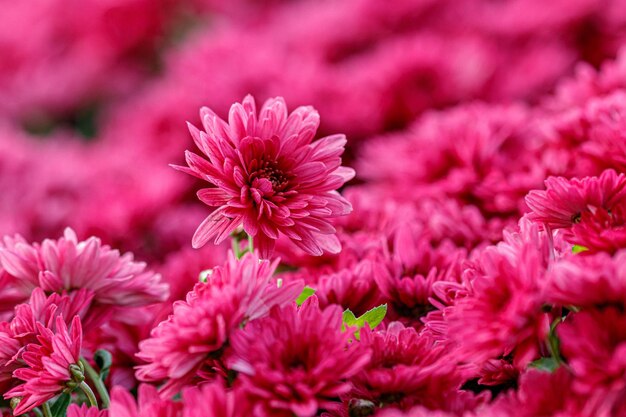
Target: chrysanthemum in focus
[(24, 328), (406, 369), (564, 201), (67, 265), (501, 313), (269, 177), (190, 342), (49, 363), (296, 361)]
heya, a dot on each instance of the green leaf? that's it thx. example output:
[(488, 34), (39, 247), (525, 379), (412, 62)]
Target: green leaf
[(545, 364), (349, 319), (306, 293), (59, 408), (373, 318), (578, 249), (103, 359)]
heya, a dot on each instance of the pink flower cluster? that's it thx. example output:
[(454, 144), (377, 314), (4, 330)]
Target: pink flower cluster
[(405, 208)]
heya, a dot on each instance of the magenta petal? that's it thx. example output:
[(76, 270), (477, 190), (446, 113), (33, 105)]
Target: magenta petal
[(213, 225), (213, 196)]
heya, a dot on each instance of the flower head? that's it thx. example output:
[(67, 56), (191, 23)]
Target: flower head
[(214, 400), (296, 361), (588, 281), (564, 201), (501, 313), (539, 393), (50, 364), (68, 265), (594, 343), (405, 369), (41, 311), (192, 339), (83, 411), (148, 403), (268, 175)]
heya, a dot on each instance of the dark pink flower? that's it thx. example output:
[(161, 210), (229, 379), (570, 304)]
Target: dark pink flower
[(192, 339), (10, 348), (564, 201), (148, 403), (84, 411), (214, 400), (604, 138), (497, 372), (502, 311), (269, 176), (594, 344), (588, 280), (413, 269), (45, 310), (405, 369), (24, 328), (481, 155), (47, 372), (352, 288), (540, 393), (67, 265), (603, 230), (296, 360), (418, 411)]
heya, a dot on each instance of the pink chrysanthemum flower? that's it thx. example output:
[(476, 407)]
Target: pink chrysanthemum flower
[(564, 201), (67, 264), (501, 313), (192, 338), (45, 309), (588, 281), (296, 361), (413, 270), (214, 400), (352, 288), (594, 343), (23, 329), (591, 211), (406, 369), (9, 351), (83, 411), (269, 176), (48, 365), (148, 403)]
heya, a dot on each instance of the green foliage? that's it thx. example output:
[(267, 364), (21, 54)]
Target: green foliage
[(373, 318), (306, 293), (545, 364), (59, 408), (578, 249), (103, 359)]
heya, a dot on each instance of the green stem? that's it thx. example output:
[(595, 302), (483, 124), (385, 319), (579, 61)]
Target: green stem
[(89, 393), (250, 244), (37, 412), (235, 244), (97, 382), (553, 342), (46, 409)]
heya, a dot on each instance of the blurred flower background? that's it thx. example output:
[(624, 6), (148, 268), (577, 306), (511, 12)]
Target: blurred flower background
[(94, 95), (454, 110)]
